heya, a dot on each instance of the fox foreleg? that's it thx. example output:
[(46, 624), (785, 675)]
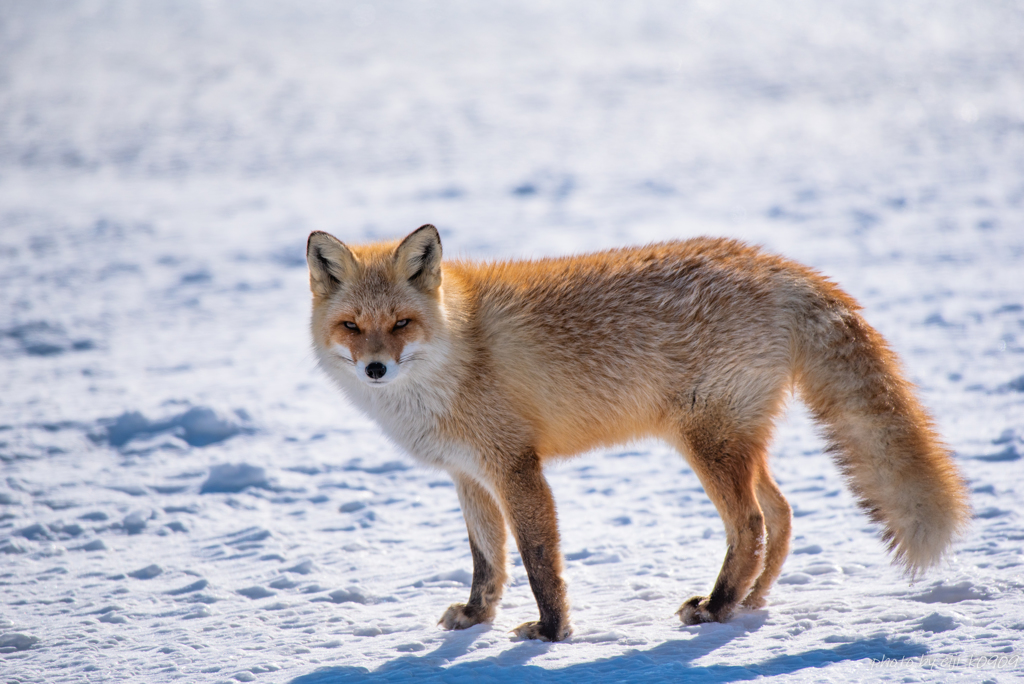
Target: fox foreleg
[(530, 510), (486, 527)]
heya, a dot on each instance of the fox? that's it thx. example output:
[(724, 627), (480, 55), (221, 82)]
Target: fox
[(490, 370)]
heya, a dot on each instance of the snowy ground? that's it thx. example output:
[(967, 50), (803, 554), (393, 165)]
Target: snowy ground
[(161, 164)]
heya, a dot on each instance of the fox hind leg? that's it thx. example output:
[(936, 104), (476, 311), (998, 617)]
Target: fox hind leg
[(728, 465), (778, 522), (486, 527)]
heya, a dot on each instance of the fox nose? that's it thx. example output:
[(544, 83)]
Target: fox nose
[(376, 370)]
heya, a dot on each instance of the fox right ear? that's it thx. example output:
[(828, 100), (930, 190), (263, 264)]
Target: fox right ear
[(330, 263), (418, 258)]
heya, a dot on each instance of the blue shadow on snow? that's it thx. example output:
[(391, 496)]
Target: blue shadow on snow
[(669, 661)]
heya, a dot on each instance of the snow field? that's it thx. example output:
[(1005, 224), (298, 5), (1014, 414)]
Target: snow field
[(183, 495)]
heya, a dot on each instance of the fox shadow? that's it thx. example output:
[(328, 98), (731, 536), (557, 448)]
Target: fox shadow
[(671, 660)]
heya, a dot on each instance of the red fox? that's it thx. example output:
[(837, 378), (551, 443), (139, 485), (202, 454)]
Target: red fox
[(488, 370)]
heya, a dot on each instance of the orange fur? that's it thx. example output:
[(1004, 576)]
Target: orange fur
[(487, 370)]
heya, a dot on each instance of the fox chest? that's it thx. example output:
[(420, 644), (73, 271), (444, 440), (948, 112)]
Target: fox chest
[(417, 430)]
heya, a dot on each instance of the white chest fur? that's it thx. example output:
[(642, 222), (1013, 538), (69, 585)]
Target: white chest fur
[(409, 411)]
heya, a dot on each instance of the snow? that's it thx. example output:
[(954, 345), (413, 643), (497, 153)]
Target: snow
[(185, 497)]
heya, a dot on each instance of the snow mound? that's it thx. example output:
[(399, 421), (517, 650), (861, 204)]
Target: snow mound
[(231, 478), (354, 594), (937, 623), (256, 592), (1010, 453), (41, 338), (953, 593), (17, 642), (148, 572), (199, 426), (306, 567), (459, 576)]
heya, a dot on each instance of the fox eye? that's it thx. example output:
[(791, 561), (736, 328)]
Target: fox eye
[(401, 324), (351, 326)]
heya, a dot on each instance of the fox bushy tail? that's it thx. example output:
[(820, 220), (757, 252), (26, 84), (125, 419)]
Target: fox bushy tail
[(880, 436)]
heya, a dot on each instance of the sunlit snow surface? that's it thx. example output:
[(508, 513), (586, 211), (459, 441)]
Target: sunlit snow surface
[(183, 495)]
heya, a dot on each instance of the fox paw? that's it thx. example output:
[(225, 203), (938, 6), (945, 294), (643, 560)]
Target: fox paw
[(538, 630), (695, 611), (461, 616)]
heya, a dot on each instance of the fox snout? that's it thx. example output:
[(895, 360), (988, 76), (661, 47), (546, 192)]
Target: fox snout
[(377, 373), (376, 370)]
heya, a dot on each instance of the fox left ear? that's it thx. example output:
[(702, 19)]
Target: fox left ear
[(418, 258)]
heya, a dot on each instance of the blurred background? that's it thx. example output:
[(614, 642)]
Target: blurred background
[(525, 121)]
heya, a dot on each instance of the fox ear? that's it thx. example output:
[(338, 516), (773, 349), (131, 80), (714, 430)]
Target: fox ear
[(418, 258), (330, 263)]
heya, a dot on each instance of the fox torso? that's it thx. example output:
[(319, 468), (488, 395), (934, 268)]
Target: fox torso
[(598, 349)]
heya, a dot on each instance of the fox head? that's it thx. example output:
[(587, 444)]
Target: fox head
[(376, 307)]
